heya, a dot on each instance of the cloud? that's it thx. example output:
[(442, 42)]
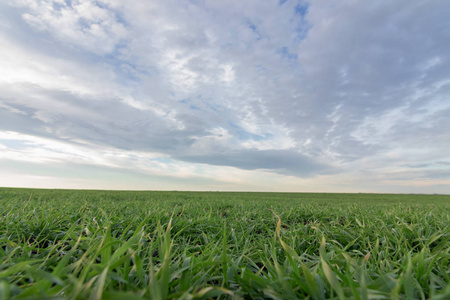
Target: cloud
[(280, 161), (85, 24), (291, 88)]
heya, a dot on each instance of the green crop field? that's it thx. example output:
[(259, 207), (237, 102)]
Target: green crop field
[(69, 244)]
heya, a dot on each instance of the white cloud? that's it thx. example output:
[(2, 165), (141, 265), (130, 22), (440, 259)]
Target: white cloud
[(82, 23)]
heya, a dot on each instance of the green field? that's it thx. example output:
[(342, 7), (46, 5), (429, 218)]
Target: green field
[(67, 244)]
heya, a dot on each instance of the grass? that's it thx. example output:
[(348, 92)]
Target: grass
[(67, 244)]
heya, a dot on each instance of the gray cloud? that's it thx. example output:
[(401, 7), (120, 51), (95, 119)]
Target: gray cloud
[(281, 161)]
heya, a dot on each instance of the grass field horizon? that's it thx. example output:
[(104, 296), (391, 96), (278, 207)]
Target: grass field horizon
[(103, 244), (219, 191)]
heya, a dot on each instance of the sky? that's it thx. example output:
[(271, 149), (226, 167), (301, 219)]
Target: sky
[(230, 95)]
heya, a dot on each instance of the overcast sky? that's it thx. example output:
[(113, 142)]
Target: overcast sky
[(226, 95)]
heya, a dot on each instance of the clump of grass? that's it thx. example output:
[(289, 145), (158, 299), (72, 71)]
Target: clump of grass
[(180, 245)]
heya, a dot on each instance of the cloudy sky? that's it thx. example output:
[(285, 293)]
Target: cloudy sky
[(226, 95)]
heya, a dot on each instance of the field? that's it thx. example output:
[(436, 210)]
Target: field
[(67, 244)]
